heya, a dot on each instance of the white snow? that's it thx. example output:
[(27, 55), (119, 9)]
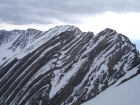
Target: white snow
[(125, 94), (127, 75)]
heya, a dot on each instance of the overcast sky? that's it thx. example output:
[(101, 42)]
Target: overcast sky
[(89, 15)]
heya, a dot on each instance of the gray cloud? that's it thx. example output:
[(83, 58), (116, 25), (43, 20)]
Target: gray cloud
[(46, 11)]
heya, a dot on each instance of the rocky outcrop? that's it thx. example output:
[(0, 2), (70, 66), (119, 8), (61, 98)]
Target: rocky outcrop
[(64, 66)]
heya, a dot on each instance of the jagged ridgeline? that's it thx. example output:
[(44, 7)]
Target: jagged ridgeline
[(62, 66)]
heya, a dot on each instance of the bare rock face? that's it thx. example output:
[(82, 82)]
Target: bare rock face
[(62, 66)]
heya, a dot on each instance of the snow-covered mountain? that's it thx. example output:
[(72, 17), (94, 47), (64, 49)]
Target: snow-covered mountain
[(63, 66)]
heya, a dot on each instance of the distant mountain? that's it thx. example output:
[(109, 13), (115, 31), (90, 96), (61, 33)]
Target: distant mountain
[(63, 66), (137, 42)]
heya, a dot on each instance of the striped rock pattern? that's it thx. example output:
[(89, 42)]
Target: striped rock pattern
[(62, 66)]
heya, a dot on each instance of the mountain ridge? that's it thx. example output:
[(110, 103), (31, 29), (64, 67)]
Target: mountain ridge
[(64, 66)]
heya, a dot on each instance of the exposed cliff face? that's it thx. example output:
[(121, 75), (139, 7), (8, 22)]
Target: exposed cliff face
[(63, 66)]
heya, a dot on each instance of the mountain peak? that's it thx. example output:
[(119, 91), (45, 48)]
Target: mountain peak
[(66, 28), (107, 31)]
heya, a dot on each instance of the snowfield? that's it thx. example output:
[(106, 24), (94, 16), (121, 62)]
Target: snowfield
[(127, 93)]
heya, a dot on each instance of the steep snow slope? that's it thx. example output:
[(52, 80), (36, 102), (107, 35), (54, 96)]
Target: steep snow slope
[(124, 94), (64, 66)]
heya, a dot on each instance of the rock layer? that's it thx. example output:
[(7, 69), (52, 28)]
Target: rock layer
[(63, 66)]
